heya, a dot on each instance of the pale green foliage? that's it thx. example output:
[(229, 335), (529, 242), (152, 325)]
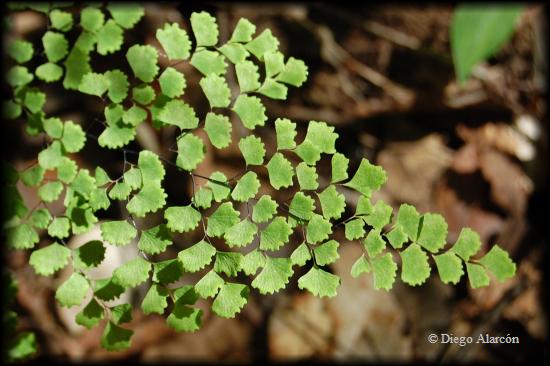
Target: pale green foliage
[(143, 61), (175, 41), (172, 82), (246, 188), (250, 110), (286, 133), (280, 171), (50, 259), (216, 90), (252, 149), (274, 276), (275, 235), (73, 291), (224, 210), (264, 209), (478, 31), (319, 282)]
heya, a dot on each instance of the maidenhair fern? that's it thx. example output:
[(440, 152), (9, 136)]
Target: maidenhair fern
[(405, 243)]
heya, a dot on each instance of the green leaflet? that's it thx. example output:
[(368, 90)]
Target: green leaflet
[(73, 291), (219, 186), (143, 61), (197, 256), (467, 244), (326, 253), (499, 263), (150, 198), (155, 240), (354, 229), (319, 282), (155, 301), (49, 72), (333, 203), (449, 266), (144, 95), (408, 219), (300, 255), (182, 218), (275, 235), (380, 215), (168, 271), (116, 338), (294, 73), (264, 209), (222, 219), (360, 266), (265, 42), (191, 151), (184, 318), (302, 206), (322, 136), (286, 133), (91, 315), (416, 268), (21, 51), (55, 46), (234, 52), (172, 82), (230, 300), (50, 259), (253, 261), (307, 177), (367, 178), (318, 229), (280, 171), (374, 244), (241, 234), (23, 236), (228, 263), (433, 234), (205, 28), (274, 276), (477, 275), (178, 113), (218, 128), (216, 90), (94, 84), (253, 150), (61, 20), (246, 187), (91, 19), (126, 15), (109, 38), (119, 232), (250, 110), (209, 62), (89, 255), (132, 273), (383, 269), (247, 76), (339, 165), (59, 227), (209, 285), (174, 41), (243, 32), (121, 314)]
